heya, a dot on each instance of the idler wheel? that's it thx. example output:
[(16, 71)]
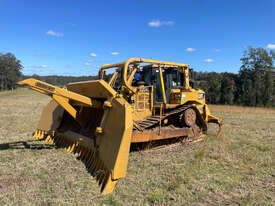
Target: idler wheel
[(188, 117)]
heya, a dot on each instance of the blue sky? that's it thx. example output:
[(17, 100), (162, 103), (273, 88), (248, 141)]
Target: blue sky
[(69, 37)]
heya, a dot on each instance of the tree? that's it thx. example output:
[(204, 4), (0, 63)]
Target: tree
[(256, 82), (10, 71), (269, 92), (214, 86), (227, 89)]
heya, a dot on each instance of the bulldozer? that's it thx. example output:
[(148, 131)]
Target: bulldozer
[(142, 100)]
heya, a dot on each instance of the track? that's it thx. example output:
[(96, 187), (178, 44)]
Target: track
[(152, 128), (155, 120)]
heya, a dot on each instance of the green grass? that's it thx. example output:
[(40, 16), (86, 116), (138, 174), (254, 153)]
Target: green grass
[(236, 169)]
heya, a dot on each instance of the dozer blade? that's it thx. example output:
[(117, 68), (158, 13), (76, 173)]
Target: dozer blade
[(106, 155), (102, 141), (49, 121)]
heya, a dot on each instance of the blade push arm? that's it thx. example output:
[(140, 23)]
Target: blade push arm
[(51, 90), (62, 96)]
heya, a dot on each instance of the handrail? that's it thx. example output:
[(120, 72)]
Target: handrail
[(133, 60)]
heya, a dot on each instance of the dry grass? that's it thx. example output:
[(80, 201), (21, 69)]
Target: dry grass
[(236, 169), (240, 109)]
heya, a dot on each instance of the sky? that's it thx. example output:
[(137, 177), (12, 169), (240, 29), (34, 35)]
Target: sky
[(69, 37)]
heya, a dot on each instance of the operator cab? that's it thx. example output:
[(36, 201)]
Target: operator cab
[(149, 76)]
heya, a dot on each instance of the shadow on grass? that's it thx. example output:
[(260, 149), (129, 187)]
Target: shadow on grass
[(135, 147), (30, 144)]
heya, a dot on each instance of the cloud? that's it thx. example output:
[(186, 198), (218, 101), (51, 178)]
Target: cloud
[(87, 64), (158, 23), (270, 46), (90, 60), (53, 33), (114, 53), (190, 49), (208, 60), (218, 50), (39, 54), (92, 54), (43, 66)]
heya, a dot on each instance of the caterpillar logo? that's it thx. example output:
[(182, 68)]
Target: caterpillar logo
[(44, 86)]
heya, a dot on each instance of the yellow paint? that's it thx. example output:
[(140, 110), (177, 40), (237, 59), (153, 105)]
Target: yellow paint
[(109, 152), (162, 86)]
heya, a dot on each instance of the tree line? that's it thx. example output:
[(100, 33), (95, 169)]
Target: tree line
[(253, 85)]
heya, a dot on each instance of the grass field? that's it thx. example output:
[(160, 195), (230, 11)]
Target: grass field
[(236, 169)]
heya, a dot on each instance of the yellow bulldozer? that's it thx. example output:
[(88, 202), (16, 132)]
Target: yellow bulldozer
[(142, 101)]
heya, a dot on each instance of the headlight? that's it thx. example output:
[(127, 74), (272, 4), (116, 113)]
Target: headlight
[(183, 97), (200, 96)]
